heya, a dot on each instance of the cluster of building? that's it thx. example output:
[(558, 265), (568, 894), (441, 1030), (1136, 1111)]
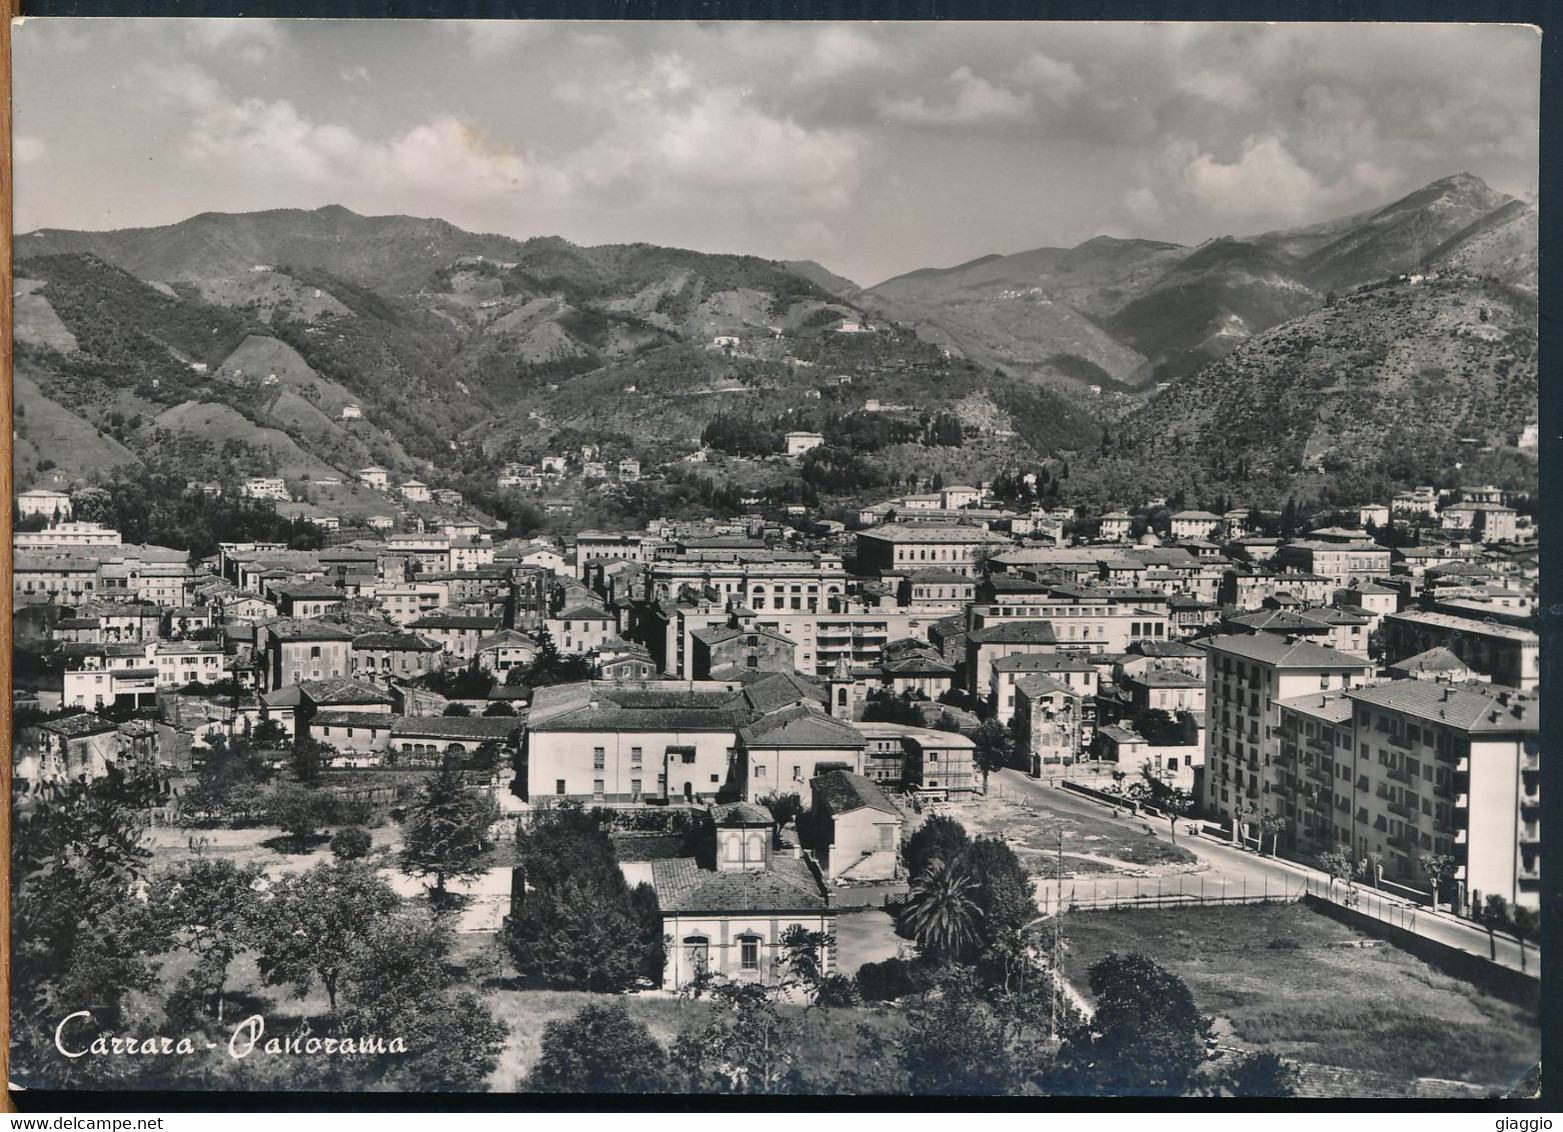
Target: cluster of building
[(1328, 690)]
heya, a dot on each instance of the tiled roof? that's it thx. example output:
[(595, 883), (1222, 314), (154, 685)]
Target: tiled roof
[(477, 727), (742, 813), (451, 621), (583, 613), (1016, 633), (342, 690), (79, 726), (506, 638), (1038, 684), (378, 720), (800, 726), (719, 634), (1043, 662), (1479, 708), (841, 792), (410, 642), (788, 885), (1437, 659), (1332, 706), (1463, 624), (293, 629), (777, 689), (1272, 648)]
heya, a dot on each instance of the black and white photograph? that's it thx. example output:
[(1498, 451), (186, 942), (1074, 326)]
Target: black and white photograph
[(782, 559)]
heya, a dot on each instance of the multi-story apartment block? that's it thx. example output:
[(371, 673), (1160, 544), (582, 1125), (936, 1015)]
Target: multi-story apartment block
[(901, 547), (1246, 678), (1341, 562), (1412, 767), (761, 580), (296, 651), (1506, 654)]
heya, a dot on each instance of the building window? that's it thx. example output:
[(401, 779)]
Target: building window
[(599, 758), (597, 789), (558, 786), (759, 770), (749, 953), (637, 754)]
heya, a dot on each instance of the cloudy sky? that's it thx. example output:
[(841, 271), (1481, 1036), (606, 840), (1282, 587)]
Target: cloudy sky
[(873, 148)]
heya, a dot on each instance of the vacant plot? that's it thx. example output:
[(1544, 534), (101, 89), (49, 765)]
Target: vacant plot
[(1091, 844), (1313, 990), (867, 937)]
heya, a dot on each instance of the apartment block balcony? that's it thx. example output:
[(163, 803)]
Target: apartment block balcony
[(1405, 843), (1405, 810), (1530, 833), (1401, 775)]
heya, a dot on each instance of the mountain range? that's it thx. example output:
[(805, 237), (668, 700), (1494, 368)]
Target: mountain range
[(236, 341)]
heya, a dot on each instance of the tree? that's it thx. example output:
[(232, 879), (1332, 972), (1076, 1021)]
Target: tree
[(1002, 893), (351, 843), (1493, 914), (575, 924), (498, 708), (1271, 825), (229, 781), (1261, 1074), (939, 837), (784, 807), (940, 912), (310, 921), (457, 709), (298, 812), (887, 708), (269, 733), (1439, 868), (397, 980), (79, 937), (446, 831), (803, 957), (953, 1044), (600, 1049), (1371, 867), (1146, 1037), (994, 746), (1158, 726), (308, 759), (1174, 801), (208, 906), (1337, 864), (746, 1046)]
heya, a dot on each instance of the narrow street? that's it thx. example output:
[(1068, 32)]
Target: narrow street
[(1225, 871)]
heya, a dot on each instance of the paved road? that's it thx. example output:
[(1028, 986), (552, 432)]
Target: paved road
[(1234, 873)]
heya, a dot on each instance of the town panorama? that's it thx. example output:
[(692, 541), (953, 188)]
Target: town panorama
[(450, 661)]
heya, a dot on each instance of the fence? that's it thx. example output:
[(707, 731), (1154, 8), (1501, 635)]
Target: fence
[(1086, 894)]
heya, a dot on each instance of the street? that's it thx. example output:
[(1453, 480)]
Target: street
[(1228, 873)]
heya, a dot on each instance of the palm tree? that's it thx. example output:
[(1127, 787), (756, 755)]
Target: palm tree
[(939, 912)]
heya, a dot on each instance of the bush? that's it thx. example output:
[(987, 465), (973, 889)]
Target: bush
[(350, 844), (837, 990), (887, 981)]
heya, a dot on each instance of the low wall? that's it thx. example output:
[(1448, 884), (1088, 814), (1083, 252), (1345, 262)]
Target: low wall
[(1523, 989), (1117, 800)]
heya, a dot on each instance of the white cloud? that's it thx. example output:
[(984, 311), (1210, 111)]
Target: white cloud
[(973, 99), (676, 145), (250, 40), (1228, 91), (27, 150), (1057, 80), (840, 50), (489, 39), (1266, 181)]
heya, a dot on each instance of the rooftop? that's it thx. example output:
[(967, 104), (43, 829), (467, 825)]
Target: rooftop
[(1478, 708), (787, 885), (1283, 652), (841, 792)]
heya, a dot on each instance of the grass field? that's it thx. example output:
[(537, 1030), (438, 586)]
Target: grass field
[(1295, 982)]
